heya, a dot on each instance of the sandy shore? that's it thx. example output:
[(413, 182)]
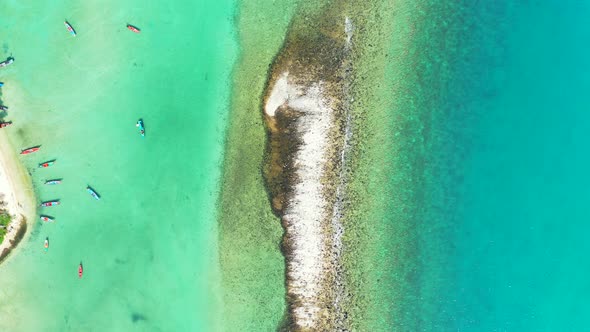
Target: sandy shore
[(17, 193)]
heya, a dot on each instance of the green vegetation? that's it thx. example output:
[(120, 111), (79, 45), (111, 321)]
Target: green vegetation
[(5, 219)]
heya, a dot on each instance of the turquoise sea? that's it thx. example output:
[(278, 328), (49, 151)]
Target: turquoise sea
[(499, 243), (518, 243), (149, 245)]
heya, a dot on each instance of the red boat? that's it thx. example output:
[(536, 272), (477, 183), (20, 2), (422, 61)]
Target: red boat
[(47, 219), (30, 150), (50, 203), (80, 270), (47, 164), (5, 124), (133, 28)]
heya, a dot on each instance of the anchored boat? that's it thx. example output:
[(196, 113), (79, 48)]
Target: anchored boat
[(47, 218), (139, 125), (46, 244), (70, 28), (93, 193), (5, 124), (50, 203), (54, 181), (133, 28), (80, 270), (30, 150), (7, 62), (47, 163)]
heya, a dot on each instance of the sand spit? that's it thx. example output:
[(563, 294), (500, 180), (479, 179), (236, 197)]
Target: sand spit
[(306, 108)]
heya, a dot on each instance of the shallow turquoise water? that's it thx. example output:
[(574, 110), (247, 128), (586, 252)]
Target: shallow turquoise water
[(149, 246)]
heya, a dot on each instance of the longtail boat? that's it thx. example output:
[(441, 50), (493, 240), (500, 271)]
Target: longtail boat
[(93, 193), (30, 150), (54, 181), (7, 62), (70, 28), (133, 28), (139, 125), (80, 270), (50, 203), (47, 218), (5, 124), (47, 163), (46, 243)]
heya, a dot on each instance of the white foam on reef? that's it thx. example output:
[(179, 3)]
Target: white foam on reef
[(337, 210), (306, 210)]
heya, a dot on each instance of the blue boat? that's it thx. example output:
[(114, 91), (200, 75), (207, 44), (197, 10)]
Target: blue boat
[(53, 182), (93, 193), (1, 84), (141, 127)]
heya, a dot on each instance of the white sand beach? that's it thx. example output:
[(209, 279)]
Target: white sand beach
[(16, 192)]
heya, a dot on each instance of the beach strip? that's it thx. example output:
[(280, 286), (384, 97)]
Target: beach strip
[(16, 192)]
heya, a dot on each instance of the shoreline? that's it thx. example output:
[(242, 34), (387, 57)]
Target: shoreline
[(17, 193)]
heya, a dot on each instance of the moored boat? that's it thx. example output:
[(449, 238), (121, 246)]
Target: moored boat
[(50, 203), (54, 181), (93, 193), (30, 150), (139, 125), (70, 28), (47, 218), (7, 62), (5, 124), (3, 108), (47, 163), (133, 28)]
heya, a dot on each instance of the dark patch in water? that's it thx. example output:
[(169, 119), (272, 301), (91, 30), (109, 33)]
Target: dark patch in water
[(120, 261), (137, 317)]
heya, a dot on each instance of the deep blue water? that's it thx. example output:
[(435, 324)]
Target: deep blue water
[(521, 234)]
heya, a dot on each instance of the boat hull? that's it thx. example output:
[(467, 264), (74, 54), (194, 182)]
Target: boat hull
[(139, 125), (133, 28), (93, 193), (70, 28), (30, 150), (47, 219), (6, 62)]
